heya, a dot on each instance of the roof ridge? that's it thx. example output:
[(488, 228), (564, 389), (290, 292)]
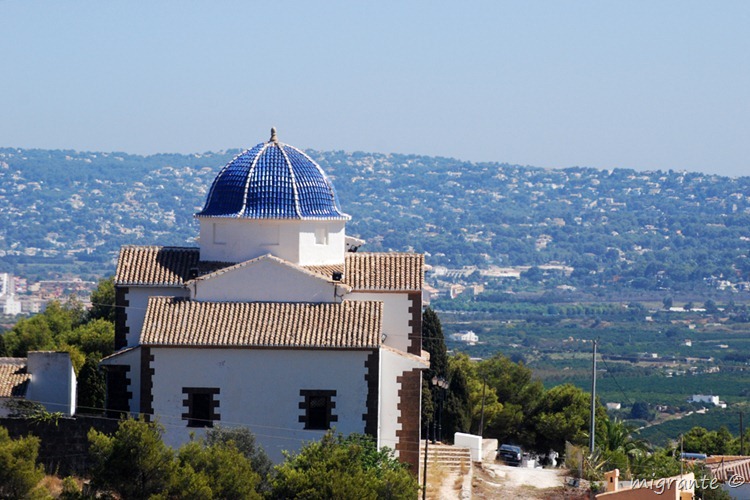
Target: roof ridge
[(249, 262), (169, 247)]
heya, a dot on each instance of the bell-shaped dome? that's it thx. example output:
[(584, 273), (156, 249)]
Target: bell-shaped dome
[(272, 181)]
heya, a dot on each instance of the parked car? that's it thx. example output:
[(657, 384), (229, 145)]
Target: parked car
[(510, 454)]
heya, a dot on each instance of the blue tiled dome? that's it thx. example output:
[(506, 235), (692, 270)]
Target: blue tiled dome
[(272, 181)]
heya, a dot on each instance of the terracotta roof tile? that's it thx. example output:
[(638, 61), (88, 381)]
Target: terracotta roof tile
[(384, 271), (326, 271), (725, 467), (13, 377), (182, 322), (152, 265)]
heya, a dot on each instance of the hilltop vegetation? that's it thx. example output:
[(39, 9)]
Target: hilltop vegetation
[(69, 212)]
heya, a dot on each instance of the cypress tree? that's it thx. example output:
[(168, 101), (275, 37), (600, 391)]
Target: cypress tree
[(91, 387), (456, 408), (433, 342)]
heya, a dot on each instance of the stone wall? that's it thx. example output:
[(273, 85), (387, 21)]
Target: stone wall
[(64, 445)]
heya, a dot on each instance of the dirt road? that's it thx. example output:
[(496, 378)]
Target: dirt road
[(494, 480)]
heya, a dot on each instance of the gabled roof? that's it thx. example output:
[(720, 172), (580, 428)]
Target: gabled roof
[(172, 321), (423, 361), (111, 359), (165, 266), (155, 265), (267, 257), (724, 467), (14, 378)]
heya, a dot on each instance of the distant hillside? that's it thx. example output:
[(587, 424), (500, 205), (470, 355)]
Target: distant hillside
[(69, 212)]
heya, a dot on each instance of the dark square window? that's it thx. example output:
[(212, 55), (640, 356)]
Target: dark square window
[(201, 406), (318, 406)]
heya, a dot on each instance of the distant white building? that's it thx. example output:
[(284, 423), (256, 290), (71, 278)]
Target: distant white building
[(707, 398), (614, 406), (11, 305), (467, 337)]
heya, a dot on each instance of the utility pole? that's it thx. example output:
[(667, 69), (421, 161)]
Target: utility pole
[(424, 468), (682, 456), (593, 401)]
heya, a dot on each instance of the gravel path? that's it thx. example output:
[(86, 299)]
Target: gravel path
[(494, 480), (523, 476)]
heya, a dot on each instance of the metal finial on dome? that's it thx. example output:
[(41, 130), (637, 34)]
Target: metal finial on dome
[(273, 135)]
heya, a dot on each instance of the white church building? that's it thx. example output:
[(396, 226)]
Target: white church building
[(274, 322)]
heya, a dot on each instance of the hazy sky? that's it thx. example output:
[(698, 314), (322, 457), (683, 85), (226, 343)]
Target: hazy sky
[(650, 84)]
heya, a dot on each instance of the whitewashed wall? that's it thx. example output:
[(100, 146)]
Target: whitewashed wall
[(265, 280), (396, 316), (260, 388), (136, 310), (392, 365), (312, 252), (53, 381), (471, 441), (131, 358), (237, 240)]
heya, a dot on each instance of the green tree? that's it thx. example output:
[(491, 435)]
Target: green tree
[(564, 415), (103, 300), (619, 447), (661, 463), (520, 397), (668, 302), (92, 387), (225, 472), (245, 442), (711, 307), (701, 440), (457, 406), (71, 490), (63, 317), (433, 342), (533, 274), (45, 331), (95, 337), (29, 334), (428, 408), (134, 462), (19, 473), (479, 390), (338, 467), (640, 411)]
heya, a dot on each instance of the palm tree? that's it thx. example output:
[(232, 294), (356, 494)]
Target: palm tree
[(619, 447)]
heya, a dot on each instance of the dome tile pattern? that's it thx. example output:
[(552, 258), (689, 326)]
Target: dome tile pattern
[(272, 181)]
